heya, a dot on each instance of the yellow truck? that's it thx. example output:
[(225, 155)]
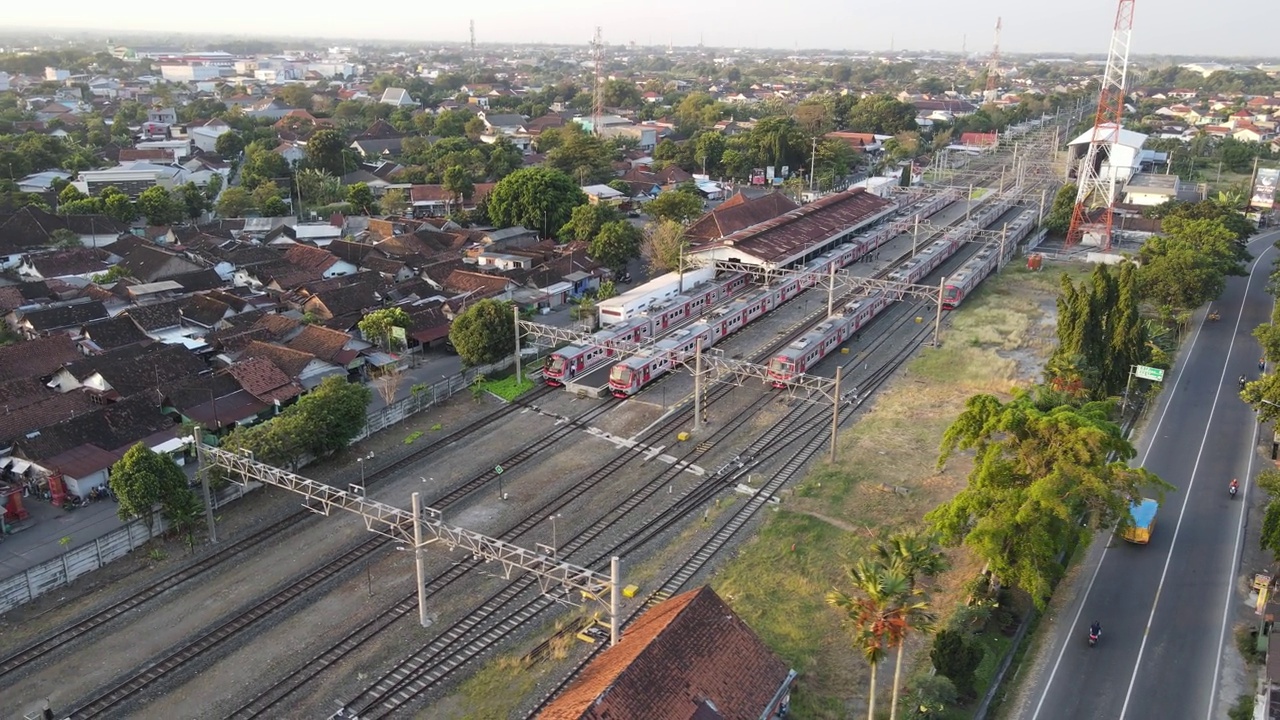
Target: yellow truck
[(1143, 514)]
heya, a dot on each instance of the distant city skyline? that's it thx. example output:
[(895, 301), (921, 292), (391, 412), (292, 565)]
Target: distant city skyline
[(1048, 29)]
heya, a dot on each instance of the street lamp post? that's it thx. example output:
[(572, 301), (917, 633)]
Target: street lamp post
[(554, 546), (361, 461)]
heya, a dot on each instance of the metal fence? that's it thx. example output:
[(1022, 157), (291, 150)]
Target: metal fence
[(424, 395), (62, 570)]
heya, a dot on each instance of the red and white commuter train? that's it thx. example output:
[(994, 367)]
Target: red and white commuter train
[(809, 349), (985, 261)]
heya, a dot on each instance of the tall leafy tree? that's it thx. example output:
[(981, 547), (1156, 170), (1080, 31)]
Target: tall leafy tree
[(585, 222), (484, 333), (324, 151), (192, 201), (457, 181), (681, 207), (333, 413), (361, 198), (235, 201), (664, 244), (144, 480), (158, 206), (915, 555), (538, 198), (616, 244), (376, 327), (1037, 468), (118, 206), (1128, 331)]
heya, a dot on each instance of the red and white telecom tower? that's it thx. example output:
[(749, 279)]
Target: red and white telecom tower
[(993, 68), (1096, 188)]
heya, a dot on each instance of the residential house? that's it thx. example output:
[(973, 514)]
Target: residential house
[(332, 346), (215, 400), (38, 358), (687, 657), (63, 318), (203, 311), (374, 149), (503, 124), (435, 201), (204, 134), (128, 371), (292, 152), (83, 263), (75, 454), (267, 383), (323, 262), (341, 307), (30, 229), (103, 336), (307, 369), (399, 97), (477, 285), (150, 263), (29, 406)]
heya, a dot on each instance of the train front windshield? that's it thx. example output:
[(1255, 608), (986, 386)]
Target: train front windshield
[(620, 376), (950, 293), (781, 367), (556, 364)]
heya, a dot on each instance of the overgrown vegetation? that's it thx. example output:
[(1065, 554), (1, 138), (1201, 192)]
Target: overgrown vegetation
[(506, 388), (321, 423)]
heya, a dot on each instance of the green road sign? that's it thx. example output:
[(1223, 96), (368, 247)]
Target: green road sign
[(1149, 373)]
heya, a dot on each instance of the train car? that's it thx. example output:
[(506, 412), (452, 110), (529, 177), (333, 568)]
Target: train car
[(569, 362), (809, 349), (635, 301), (629, 376), (984, 262)]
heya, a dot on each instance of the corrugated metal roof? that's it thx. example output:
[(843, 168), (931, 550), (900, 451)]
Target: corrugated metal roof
[(791, 234)]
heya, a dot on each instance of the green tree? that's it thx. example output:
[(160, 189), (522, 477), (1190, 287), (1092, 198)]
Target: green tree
[(539, 198), (117, 206), (157, 206), (274, 206), (394, 201), (673, 205), (915, 555), (376, 326), (361, 198), (142, 480), (881, 114), (956, 658), (281, 441), (664, 244), (212, 189), (1058, 219), (297, 95), (70, 193), (229, 145), (616, 244), (1183, 273), (580, 155), (484, 333), (324, 151), (65, 239), (1038, 467), (184, 513), (234, 202), (318, 187), (333, 413), (193, 201), (457, 181), (585, 222)]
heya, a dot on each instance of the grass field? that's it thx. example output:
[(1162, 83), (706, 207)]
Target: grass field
[(997, 341)]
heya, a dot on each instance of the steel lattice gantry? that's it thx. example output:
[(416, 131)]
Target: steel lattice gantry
[(399, 525)]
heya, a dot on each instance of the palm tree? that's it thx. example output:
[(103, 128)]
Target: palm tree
[(915, 555), (873, 612)]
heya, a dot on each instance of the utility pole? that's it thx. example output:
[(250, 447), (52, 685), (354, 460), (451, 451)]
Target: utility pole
[(198, 436), (419, 560), (1004, 233), (697, 386), (937, 321), (597, 95), (614, 599), (835, 414), (813, 164), (915, 235), (831, 289), (515, 314)]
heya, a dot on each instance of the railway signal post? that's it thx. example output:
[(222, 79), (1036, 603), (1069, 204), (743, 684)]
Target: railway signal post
[(515, 314)]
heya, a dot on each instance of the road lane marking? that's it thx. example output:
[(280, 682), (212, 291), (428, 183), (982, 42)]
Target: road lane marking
[(1235, 555), (1204, 440), (1155, 433)]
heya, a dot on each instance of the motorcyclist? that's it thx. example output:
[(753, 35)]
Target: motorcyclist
[(1095, 630), (1242, 381), (1235, 484)]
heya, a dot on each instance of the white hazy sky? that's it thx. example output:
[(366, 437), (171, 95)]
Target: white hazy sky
[(1173, 27)]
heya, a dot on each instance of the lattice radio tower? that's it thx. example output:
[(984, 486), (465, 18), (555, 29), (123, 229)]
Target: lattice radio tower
[(993, 68), (597, 94), (1095, 188), (475, 61)]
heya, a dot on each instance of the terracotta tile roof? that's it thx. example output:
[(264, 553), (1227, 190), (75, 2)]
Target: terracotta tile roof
[(139, 369), (428, 323), (462, 281), (199, 280), (156, 316), (285, 275), (64, 316), (291, 362), (149, 263), (70, 262), (114, 333), (380, 264), (322, 342), (109, 428), (679, 656), (790, 234), (737, 213), (262, 379), (29, 405), (344, 300), (310, 258), (196, 390), (10, 298), (352, 252), (203, 310), (437, 193), (37, 358)]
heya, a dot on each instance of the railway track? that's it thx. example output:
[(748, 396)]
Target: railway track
[(45, 646)]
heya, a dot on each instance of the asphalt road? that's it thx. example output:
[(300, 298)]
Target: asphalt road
[(1167, 608)]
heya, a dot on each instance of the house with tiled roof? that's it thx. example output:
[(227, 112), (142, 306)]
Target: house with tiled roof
[(690, 657), (155, 318), (203, 311), (62, 317), (77, 452), (39, 358), (435, 200), (392, 270), (216, 400), (264, 381), (10, 299), (314, 259), (304, 367), (103, 336), (150, 263), (29, 406), (128, 371), (342, 304), (83, 263), (479, 285), (330, 345), (736, 213)]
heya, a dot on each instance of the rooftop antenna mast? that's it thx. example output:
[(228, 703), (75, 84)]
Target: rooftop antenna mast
[(1094, 187), (597, 95), (993, 68)]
